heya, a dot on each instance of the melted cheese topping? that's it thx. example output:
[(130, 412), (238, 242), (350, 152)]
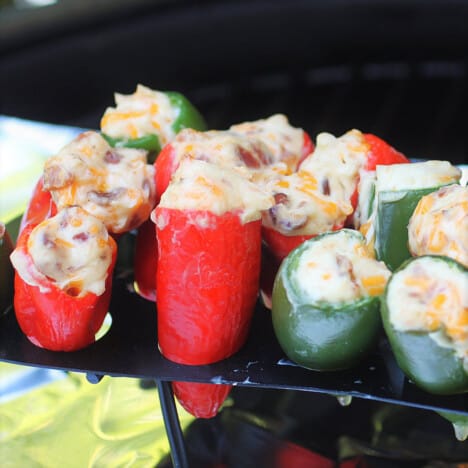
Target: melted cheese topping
[(431, 296), (115, 185), (145, 112), (318, 196), (221, 147), (198, 185), (283, 141), (338, 268), (439, 225), (422, 175), (72, 249)]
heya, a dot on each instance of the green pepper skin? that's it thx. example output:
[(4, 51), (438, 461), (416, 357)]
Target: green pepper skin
[(188, 117), (6, 269), (394, 210), (147, 142), (321, 336), (431, 367)]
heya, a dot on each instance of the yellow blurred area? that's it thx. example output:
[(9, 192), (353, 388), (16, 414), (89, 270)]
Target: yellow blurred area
[(73, 423)]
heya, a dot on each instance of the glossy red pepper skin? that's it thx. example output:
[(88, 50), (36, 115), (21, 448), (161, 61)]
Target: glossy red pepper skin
[(165, 165), (40, 206), (200, 399), (56, 320), (307, 148), (145, 261), (381, 153), (207, 283)]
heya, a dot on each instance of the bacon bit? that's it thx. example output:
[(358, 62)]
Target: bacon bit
[(105, 198), (112, 157), (248, 158), (281, 198), (345, 268), (82, 237), (48, 242), (325, 187), (56, 177)]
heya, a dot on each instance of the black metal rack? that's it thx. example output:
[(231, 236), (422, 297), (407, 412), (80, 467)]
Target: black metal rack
[(130, 349)]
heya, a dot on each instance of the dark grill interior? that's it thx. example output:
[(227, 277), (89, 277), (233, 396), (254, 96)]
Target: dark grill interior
[(418, 107)]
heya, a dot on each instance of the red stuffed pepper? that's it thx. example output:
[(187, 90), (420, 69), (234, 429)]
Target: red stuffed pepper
[(306, 201), (208, 226), (320, 196), (63, 279), (248, 146)]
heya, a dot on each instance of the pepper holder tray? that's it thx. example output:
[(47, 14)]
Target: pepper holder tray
[(129, 349)]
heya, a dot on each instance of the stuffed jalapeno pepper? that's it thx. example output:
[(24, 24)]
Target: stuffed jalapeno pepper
[(425, 316), (439, 224), (148, 119), (115, 185), (326, 301), (394, 195), (63, 279)]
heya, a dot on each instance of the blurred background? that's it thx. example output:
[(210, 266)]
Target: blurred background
[(398, 69)]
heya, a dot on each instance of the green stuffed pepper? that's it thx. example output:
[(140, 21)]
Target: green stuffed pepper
[(325, 303), (148, 119), (394, 195), (425, 316)]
